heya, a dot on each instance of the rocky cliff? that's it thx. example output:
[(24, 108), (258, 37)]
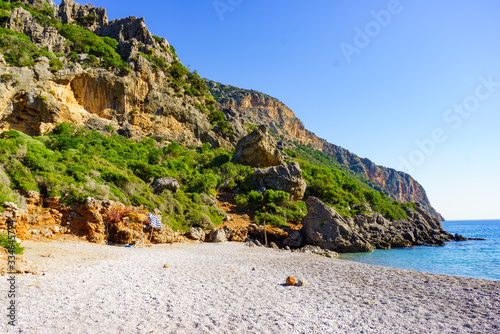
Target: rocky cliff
[(140, 89), (324, 227), (246, 108), (141, 102)]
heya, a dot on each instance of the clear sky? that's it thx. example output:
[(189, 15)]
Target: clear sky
[(411, 85)]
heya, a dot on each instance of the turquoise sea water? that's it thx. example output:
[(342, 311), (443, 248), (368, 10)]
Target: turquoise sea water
[(472, 258)]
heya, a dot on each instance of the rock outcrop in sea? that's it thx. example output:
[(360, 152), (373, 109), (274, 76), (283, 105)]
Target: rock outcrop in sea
[(324, 227)]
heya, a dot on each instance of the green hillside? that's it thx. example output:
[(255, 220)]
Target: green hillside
[(74, 163)]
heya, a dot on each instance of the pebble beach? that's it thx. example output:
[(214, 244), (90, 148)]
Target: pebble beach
[(233, 288)]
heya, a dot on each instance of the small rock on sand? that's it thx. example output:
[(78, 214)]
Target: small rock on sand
[(302, 282)]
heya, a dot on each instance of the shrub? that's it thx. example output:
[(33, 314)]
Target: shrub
[(84, 41), (18, 49), (199, 219), (87, 20), (10, 244), (158, 38), (55, 65), (218, 120), (270, 219), (20, 176)]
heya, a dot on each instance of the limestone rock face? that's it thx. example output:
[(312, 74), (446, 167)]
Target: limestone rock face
[(258, 149), (45, 36), (138, 104), (91, 17), (324, 227), (166, 183), (133, 37), (286, 177), (33, 100), (94, 219), (421, 228), (243, 107)]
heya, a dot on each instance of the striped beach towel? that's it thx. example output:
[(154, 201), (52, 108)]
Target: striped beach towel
[(154, 221)]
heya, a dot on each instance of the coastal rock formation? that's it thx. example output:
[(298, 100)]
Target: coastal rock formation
[(286, 177), (419, 229), (98, 221), (324, 227), (258, 149), (166, 183)]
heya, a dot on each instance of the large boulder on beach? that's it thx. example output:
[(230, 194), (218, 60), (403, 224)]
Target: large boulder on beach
[(294, 240), (258, 149), (324, 227), (218, 235), (196, 233), (286, 177)]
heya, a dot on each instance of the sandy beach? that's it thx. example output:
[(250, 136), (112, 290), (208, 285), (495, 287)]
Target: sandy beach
[(232, 288)]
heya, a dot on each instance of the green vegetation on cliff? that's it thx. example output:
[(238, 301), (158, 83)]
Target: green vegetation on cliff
[(74, 163), (103, 48), (19, 50)]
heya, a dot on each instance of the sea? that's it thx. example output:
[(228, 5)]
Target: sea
[(471, 258)]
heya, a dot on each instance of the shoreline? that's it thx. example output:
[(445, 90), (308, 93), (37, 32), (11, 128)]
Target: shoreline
[(232, 288)]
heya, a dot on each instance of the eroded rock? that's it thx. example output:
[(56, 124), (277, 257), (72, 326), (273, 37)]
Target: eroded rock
[(166, 183), (218, 235), (258, 149), (324, 227), (286, 177), (196, 233)]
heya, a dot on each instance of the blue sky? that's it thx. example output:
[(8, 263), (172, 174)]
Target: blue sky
[(412, 85)]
